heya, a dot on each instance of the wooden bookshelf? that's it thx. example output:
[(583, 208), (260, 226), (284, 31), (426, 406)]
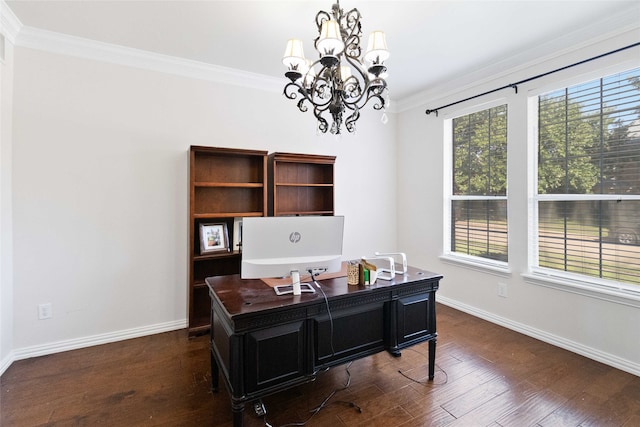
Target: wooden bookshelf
[(224, 184), (301, 184)]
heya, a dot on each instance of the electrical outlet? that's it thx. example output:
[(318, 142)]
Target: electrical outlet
[(45, 311), (259, 408), (502, 290)]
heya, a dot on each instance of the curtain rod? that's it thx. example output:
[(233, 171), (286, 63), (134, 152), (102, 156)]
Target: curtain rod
[(515, 85)]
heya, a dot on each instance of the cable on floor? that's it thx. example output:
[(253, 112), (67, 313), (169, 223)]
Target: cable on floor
[(326, 402), (438, 368)]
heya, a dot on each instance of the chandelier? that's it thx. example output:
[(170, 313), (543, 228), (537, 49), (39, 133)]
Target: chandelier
[(340, 82)]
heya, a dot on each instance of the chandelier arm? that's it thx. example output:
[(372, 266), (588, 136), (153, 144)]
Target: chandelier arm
[(355, 61), (294, 90), (301, 105), (351, 90), (350, 123), (352, 33), (291, 91), (379, 105), (352, 94), (372, 93), (362, 81), (323, 125), (321, 17), (293, 87), (318, 87)]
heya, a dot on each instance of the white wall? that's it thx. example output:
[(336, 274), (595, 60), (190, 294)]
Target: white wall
[(100, 185), (603, 330)]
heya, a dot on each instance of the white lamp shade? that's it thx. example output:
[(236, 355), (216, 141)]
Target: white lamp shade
[(377, 48), (308, 68), (294, 55), (309, 73), (330, 41), (345, 72)]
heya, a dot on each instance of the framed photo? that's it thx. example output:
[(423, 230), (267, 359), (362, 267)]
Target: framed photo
[(214, 238)]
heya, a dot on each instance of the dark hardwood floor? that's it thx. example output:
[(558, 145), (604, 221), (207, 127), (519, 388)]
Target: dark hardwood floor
[(486, 375)]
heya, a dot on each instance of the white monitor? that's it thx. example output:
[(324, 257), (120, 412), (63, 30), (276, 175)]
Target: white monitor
[(277, 246)]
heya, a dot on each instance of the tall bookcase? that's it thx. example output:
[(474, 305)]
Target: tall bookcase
[(224, 185), (301, 184)]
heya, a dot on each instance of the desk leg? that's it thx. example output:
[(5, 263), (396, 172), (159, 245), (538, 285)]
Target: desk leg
[(432, 358), (238, 414), (215, 377), (395, 353)]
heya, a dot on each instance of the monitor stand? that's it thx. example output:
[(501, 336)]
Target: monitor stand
[(295, 288)]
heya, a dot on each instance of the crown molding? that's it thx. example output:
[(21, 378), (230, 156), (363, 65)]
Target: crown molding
[(623, 23), (49, 41), (10, 25)]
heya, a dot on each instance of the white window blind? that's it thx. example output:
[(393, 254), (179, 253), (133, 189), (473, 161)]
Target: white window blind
[(588, 197), (479, 184)]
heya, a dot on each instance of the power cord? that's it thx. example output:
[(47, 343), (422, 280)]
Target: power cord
[(326, 403), (346, 386), (446, 377), (326, 301)]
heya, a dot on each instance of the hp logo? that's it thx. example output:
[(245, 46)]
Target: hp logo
[(294, 237)]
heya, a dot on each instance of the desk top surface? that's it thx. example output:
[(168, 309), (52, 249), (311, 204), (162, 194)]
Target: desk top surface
[(246, 296)]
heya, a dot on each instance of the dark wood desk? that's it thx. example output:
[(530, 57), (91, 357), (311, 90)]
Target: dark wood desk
[(263, 343)]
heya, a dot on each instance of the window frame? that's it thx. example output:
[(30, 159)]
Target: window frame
[(595, 287), (496, 267)]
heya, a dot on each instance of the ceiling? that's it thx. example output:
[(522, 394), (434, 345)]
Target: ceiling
[(431, 42)]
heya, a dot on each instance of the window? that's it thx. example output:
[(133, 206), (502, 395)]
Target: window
[(588, 180), (479, 184)]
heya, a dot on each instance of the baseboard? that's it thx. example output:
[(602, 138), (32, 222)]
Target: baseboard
[(6, 362), (74, 344), (591, 353)]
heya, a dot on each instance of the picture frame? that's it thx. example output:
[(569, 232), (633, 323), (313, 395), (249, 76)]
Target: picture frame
[(214, 238)]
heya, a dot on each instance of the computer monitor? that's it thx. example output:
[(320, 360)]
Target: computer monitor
[(277, 246)]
